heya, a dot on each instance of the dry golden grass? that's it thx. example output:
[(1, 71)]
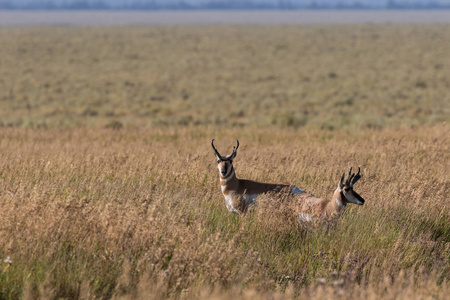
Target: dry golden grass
[(94, 212), (132, 213), (315, 76)]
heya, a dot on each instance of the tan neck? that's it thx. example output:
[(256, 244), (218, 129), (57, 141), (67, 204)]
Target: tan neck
[(337, 203)]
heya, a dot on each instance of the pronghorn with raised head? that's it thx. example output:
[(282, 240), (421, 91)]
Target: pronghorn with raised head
[(240, 194), (310, 207)]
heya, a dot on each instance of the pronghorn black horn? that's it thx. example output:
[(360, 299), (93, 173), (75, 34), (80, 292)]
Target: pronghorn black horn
[(356, 177), (217, 152), (237, 146), (341, 184), (349, 178)]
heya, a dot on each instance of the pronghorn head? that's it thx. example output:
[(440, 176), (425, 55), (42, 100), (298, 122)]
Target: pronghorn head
[(346, 188), (225, 164)]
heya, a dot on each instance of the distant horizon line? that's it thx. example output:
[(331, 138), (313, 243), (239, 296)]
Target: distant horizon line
[(20, 18), (230, 9)]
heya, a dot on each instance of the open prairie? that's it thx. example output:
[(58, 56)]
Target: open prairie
[(108, 182), (361, 76)]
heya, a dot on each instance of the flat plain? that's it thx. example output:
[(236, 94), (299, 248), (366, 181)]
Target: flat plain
[(296, 76), (108, 183)]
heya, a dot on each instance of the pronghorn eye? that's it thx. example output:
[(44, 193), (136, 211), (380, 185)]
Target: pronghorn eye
[(347, 189)]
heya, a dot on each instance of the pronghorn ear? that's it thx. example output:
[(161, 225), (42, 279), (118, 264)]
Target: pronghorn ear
[(233, 155)]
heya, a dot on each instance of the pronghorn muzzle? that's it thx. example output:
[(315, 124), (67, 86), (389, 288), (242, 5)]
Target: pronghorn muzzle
[(360, 200), (224, 171)]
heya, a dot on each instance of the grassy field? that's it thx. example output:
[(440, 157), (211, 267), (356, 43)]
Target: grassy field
[(315, 76), (121, 213), (109, 187)]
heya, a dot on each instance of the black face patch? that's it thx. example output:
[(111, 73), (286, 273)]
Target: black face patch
[(359, 198), (356, 195)]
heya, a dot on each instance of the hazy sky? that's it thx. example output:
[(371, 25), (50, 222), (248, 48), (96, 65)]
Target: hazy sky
[(118, 3)]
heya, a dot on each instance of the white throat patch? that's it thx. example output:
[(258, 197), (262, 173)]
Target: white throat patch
[(229, 177)]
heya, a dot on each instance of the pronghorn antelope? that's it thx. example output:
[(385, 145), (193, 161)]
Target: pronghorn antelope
[(310, 207), (240, 194)]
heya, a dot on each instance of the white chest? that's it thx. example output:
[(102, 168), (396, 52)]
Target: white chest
[(229, 202), (249, 199)]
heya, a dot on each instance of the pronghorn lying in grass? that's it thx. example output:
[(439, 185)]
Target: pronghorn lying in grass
[(240, 194), (310, 206)]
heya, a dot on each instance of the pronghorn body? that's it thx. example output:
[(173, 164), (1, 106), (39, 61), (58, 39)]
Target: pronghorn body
[(310, 207), (240, 194)]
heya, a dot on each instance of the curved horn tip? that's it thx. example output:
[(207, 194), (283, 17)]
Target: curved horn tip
[(341, 182), (215, 150), (212, 145)]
